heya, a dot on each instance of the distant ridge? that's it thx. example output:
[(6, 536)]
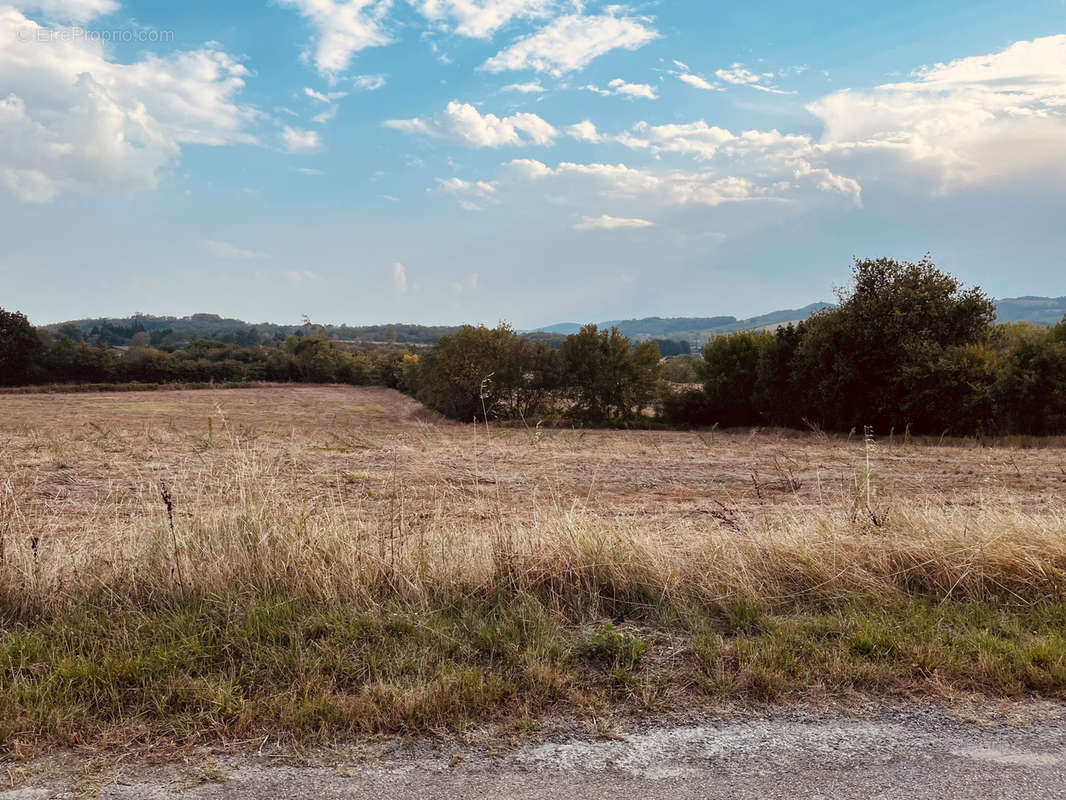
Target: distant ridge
[(693, 329), (1040, 310), (697, 330)]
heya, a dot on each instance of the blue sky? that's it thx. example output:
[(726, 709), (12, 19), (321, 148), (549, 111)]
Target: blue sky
[(527, 160)]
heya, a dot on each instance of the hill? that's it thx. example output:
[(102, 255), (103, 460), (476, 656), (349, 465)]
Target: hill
[(1038, 310), (118, 331), (693, 329), (177, 331)]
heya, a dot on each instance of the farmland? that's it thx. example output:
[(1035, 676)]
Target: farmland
[(324, 560)]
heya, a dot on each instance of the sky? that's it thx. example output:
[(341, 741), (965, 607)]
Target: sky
[(533, 161)]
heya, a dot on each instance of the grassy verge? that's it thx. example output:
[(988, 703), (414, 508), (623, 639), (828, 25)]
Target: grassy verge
[(239, 667)]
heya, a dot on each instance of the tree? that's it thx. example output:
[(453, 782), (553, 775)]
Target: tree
[(606, 379), (20, 349), (1030, 390), (855, 363), (730, 369), (470, 373)]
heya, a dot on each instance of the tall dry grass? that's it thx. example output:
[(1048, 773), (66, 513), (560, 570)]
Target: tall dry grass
[(231, 529)]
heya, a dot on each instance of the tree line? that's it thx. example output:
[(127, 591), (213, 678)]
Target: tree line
[(907, 347)]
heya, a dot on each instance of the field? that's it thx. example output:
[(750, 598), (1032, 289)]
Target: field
[(316, 562)]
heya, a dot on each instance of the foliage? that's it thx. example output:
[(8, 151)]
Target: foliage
[(730, 370), (19, 348), (606, 379)]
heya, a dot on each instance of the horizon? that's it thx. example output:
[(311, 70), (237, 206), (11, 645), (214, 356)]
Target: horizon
[(529, 160), (431, 324)]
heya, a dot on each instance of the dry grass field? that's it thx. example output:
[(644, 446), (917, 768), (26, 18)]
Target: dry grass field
[(319, 561)]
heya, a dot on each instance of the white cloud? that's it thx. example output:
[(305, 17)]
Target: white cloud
[(585, 132), (309, 171), (622, 183), (770, 156), (533, 87), (322, 117), (978, 119), (570, 42), (463, 123), (368, 83), (608, 223), (620, 87), (471, 195), (298, 140), (221, 249), (342, 29), (69, 10), (399, 277), (740, 75), (73, 119), (327, 97), (480, 19), (298, 276), (698, 82)]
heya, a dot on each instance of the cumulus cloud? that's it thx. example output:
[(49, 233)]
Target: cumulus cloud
[(584, 131), (620, 182), (368, 83), (342, 29), (609, 223), (698, 82), (630, 90), (298, 276), (769, 155), (324, 97), (221, 249), (461, 122), (740, 75), (973, 120), (570, 42), (480, 19), (69, 10), (533, 87), (399, 277), (298, 140), (322, 117), (73, 119), (471, 195)]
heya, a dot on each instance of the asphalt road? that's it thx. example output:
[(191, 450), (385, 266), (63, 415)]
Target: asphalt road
[(889, 753)]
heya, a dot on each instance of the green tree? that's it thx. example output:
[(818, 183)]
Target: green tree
[(854, 363), (20, 349), (606, 379), (730, 370), (470, 373), (1030, 390)]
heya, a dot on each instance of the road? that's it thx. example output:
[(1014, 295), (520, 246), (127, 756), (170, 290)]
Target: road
[(887, 753)]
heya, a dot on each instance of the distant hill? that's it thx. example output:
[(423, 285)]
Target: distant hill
[(1040, 310), (693, 329), (181, 330), (178, 331), (697, 330)]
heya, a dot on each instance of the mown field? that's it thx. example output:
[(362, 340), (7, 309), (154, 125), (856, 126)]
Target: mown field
[(316, 562)]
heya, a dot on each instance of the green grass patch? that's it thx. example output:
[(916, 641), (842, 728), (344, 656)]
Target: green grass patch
[(239, 667)]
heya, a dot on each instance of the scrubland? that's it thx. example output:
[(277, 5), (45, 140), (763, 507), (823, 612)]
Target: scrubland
[(313, 562)]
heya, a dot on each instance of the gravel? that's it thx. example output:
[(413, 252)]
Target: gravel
[(913, 752)]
